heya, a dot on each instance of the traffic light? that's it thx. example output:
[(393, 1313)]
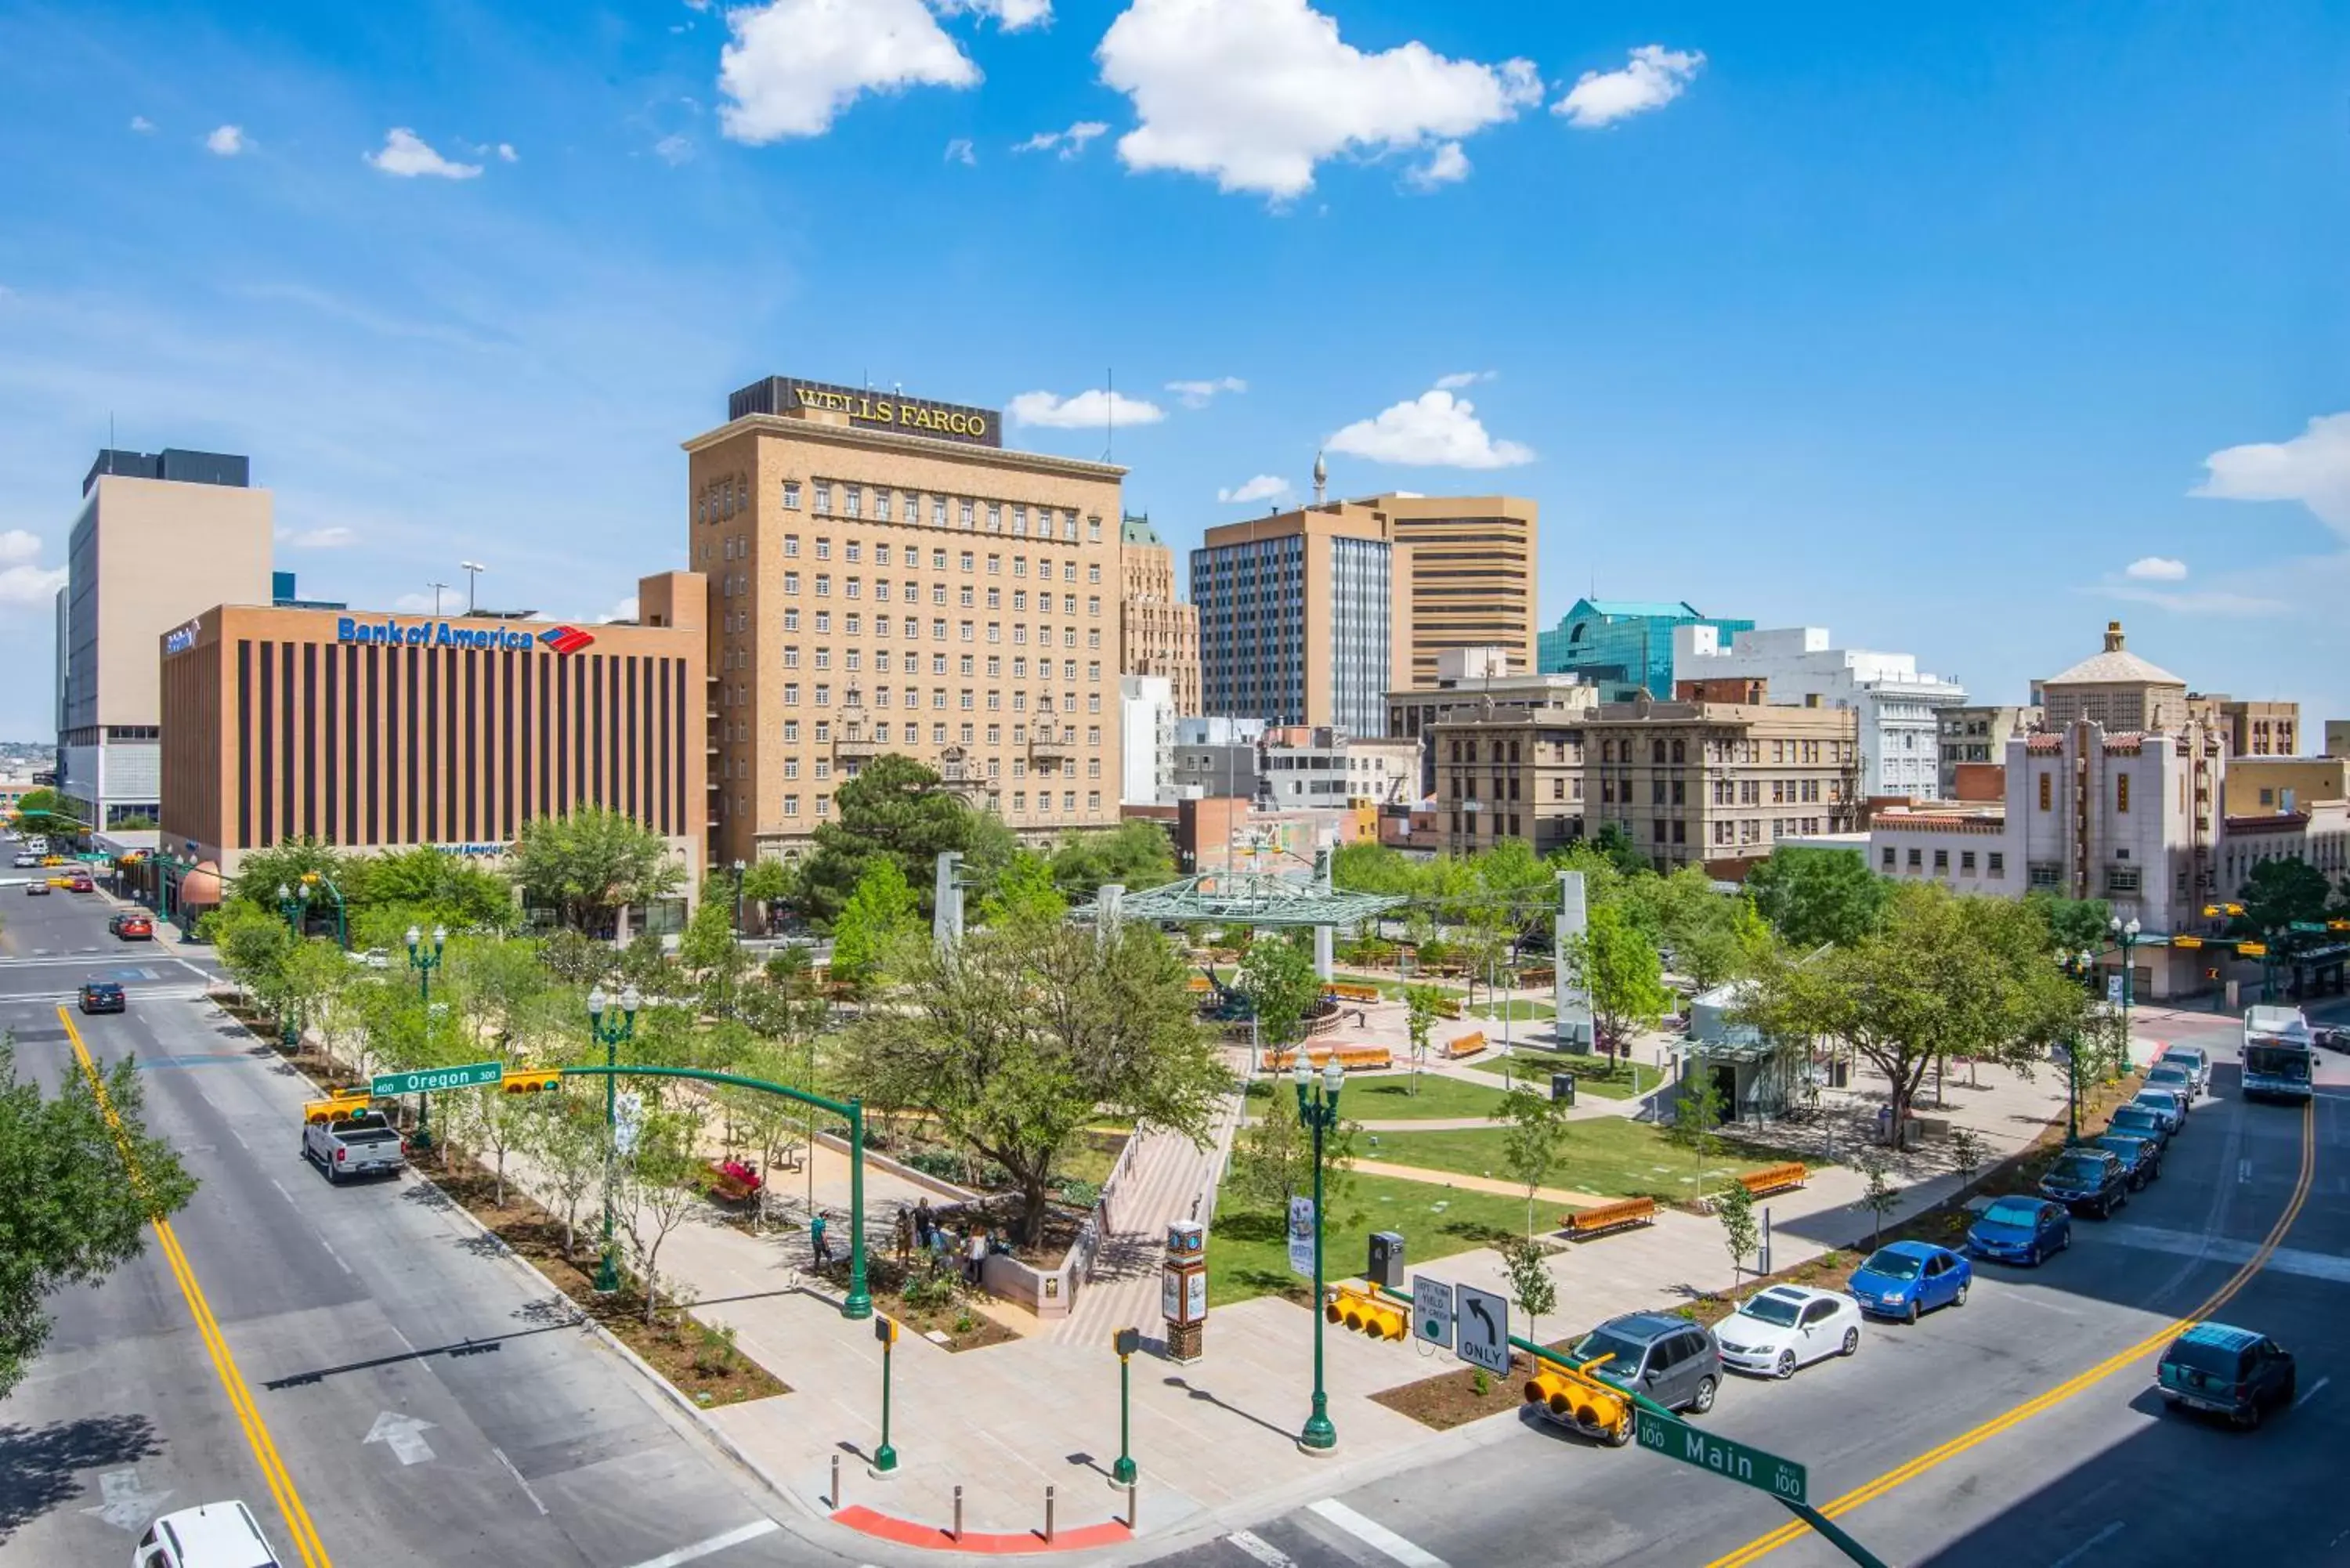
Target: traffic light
[(2252, 950), (2187, 941), (1352, 1305), (1585, 1401), (336, 1107), (532, 1083)]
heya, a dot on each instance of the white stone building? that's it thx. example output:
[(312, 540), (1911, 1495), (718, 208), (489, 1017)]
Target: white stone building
[(1898, 706), (1146, 734)]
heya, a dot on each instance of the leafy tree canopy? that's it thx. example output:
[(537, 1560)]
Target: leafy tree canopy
[(895, 807), (1134, 854), (1813, 897), (2075, 924), (2276, 896), (593, 863), (1278, 979), (880, 916)]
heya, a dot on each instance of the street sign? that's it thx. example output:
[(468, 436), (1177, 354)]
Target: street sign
[(1676, 1439), (439, 1078), (1301, 1237), (2114, 990), (628, 1116), (1484, 1330), (1432, 1311)]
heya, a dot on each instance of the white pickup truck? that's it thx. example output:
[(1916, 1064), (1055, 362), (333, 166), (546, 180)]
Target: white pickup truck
[(363, 1145)]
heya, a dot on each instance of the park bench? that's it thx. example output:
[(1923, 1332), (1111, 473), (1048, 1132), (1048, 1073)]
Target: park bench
[(1773, 1179), (728, 1185), (1353, 1058), (1198, 986), (1606, 1217), (1348, 990), (1461, 1045)]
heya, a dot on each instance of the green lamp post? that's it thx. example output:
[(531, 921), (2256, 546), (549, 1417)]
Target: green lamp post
[(425, 961), (1319, 1109), (611, 1036), (2126, 932)]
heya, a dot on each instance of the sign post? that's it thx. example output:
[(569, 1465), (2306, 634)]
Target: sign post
[(1126, 1342), (387, 1085), (1484, 1328), (1431, 1311), (1783, 1479), (885, 1457)]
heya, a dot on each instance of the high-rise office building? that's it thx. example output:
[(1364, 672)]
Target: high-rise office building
[(1298, 617), (886, 578), (1159, 634), (159, 537), (1468, 568), (1625, 647)]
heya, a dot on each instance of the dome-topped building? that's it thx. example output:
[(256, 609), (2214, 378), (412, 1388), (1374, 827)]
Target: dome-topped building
[(2116, 688)]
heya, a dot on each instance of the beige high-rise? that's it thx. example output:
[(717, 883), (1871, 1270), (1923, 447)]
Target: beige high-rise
[(1159, 634), (884, 579), (1467, 564)]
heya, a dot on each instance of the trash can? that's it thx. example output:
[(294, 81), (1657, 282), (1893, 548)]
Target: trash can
[(1562, 1087)]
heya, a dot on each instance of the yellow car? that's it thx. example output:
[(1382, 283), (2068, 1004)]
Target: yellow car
[(53, 860)]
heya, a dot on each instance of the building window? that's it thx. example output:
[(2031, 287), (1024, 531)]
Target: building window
[(791, 805), (1941, 860), (854, 496), (2048, 789), (2121, 794), (823, 498), (1966, 861), (1995, 863), (1887, 857), (791, 494), (1917, 858)]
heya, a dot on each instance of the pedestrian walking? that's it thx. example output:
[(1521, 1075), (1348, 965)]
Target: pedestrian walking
[(975, 1255), (816, 1227), (926, 1225), (905, 1233)]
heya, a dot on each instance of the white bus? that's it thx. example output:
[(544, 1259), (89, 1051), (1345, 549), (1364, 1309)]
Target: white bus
[(2278, 1051)]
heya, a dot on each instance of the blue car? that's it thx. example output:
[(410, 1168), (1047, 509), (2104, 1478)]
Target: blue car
[(1903, 1279), (2020, 1230)]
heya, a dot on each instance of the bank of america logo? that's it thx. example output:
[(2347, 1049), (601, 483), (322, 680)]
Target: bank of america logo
[(565, 638)]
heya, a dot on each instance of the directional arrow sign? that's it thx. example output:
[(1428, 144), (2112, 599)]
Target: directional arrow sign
[(126, 1506), (1484, 1328), (1676, 1439), (403, 1434)]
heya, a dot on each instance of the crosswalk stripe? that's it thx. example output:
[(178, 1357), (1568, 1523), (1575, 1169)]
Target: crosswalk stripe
[(1371, 1532), (1263, 1550)]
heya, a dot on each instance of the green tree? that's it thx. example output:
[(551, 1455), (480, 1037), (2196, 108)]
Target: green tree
[(1278, 979), (1713, 937), (1613, 842), (1531, 1289), (71, 1209), (1943, 976), (575, 958), (567, 1147), (895, 808), (1700, 1109), (1367, 866), (1273, 1155), (1622, 975), (2075, 924), (710, 951), (1422, 1005), (1024, 889), (769, 881), (1533, 1141), (2277, 896), (314, 975), (590, 866), (431, 886), (256, 948), (1020, 1036), (262, 872), (660, 1185), (875, 921), (1813, 897), (1734, 1207), (1878, 1197), (1134, 854)]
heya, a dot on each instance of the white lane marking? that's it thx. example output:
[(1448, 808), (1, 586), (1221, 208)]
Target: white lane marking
[(2091, 1544), (736, 1537), (126, 1505), (1371, 1532), (2310, 1392), (2217, 1250), (518, 1480), (403, 1434), (281, 1190), (1263, 1550), (240, 1140), (336, 1256)]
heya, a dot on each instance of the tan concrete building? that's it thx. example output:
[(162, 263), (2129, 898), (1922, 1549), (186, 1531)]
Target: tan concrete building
[(2249, 729), (2116, 688), (1158, 633), (2338, 737), (886, 578), (2265, 787), (161, 536), (373, 731), (1508, 771), (1468, 568), (1718, 784)]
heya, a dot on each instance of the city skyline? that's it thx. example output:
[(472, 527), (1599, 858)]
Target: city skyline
[(462, 297)]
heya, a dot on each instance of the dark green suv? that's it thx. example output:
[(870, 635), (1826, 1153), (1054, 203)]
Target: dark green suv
[(2231, 1371)]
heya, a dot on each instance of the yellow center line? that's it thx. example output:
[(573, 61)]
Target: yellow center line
[(1764, 1545), (256, 1434)]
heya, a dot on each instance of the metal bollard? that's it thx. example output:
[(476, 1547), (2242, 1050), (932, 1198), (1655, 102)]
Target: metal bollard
[(1132, 1520), (1048, 1516), (836, 1484), (958, 1529)]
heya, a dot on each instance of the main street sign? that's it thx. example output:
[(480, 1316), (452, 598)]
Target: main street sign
[(434, 1078), (1676, 1439)]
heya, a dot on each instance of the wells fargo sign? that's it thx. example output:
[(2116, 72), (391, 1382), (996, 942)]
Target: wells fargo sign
[(869, 409)]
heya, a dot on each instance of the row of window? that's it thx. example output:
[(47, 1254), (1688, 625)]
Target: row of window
[(853, 625), (728, 497), (938, 737), (737, 695), (852, 660), (2048, 791), (1995, 862), (822, 803)]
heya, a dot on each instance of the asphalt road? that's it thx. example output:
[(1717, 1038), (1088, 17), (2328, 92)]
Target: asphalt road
[(2101, 1475), (500, 1433)]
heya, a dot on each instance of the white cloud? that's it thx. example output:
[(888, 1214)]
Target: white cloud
[(2201, 601), (1460, 378), (333, 538), (1263, 487), (406, 154), (2157, 570), (506, 153), (625, 610), (141, 124), (30, 585), (794, 65), (2313, 468), (18, 547), (1653, 77), (959, 150), (228, 140), (1434, 430), (1200, 394), (1448, 165), (1088, 410), (1070, 142), (673, 148), (418, 604), (1011, 15), (1258, 92)]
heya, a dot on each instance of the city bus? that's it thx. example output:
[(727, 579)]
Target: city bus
[(2278, 1051)]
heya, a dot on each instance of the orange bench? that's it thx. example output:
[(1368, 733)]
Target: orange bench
[(1353, 1058), (1198, 986), (1461, 1045), (1606, 1217), (1348, 990), (1775, 1178)]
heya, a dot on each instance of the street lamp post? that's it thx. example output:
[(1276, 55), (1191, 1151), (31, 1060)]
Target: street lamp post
[(425, 961), (1319, 1112), (610, 1037), (739, 869), (2127, 931)]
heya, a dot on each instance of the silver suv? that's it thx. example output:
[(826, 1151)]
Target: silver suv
[(1668, 1359)]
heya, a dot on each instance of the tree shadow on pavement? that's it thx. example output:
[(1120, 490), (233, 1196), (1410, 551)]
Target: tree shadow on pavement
[(38, 1464)]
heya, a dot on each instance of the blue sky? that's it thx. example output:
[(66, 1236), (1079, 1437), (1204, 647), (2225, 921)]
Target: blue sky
[(1931, 332)]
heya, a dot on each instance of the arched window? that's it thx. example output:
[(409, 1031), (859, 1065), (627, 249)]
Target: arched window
[(1680, 753), (1657, 751), (1514, 757), (1607, 751)]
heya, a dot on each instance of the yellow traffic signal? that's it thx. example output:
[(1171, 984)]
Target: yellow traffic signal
[(2187, 941), (532, 1083), (335, 1108), (2252, 950), (1353, 1306)]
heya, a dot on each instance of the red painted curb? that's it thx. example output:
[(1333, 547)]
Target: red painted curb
[(907, 1532)]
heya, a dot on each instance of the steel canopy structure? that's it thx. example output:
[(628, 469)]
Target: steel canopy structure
[(1257, 898)]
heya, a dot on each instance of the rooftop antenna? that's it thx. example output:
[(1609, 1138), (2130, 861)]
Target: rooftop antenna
[(1321, 477)]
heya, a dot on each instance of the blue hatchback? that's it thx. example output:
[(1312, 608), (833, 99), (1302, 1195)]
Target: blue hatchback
[(2020, 1230), (1903, 1279)]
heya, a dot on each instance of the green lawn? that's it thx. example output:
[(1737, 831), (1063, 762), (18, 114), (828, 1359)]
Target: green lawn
[(1248, 1251), (1520, 1010), (1388, 1098), (1597, 1075), (1610, 1154)]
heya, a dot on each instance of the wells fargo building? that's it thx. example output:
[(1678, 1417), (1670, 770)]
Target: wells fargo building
[(885, 578), (377, 731)]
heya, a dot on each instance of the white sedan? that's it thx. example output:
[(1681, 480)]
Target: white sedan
[(1777, 1330)]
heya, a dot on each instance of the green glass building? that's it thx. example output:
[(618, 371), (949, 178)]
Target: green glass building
[(1624, 646)]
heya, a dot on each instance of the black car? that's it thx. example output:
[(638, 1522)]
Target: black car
[(2140, 1121), (2088, 1179), (103, 996), (2231, 1372), (2141, 1156)]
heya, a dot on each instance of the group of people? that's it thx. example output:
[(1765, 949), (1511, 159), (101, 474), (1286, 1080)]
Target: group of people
[(924, 1230)]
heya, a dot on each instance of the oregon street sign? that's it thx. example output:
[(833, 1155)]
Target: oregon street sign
[(1484, 1328), (439, 1078), (1782, 1478), (1432, 1311)]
